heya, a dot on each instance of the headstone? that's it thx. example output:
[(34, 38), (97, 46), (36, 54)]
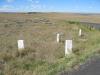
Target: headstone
[(68, 47), (80, 32), (20, 44), (58, 37)]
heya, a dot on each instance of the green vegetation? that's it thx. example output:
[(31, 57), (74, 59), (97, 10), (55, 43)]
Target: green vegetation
[(73, 22), (42, 55)]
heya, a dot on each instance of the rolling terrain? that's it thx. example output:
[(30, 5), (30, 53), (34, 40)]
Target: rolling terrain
[(42, 54)]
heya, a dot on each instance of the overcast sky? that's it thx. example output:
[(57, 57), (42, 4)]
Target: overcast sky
[(81, 6)]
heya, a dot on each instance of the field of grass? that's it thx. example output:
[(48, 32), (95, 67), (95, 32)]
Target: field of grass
[(42, 54)]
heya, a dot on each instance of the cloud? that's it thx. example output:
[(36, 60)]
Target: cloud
[(10, 1), (34, 1), (35, 4), (30, 0), (90, 7), (6, 7), (31, 5)]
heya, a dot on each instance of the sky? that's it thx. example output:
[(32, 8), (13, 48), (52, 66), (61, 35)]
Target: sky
[(74, 6)]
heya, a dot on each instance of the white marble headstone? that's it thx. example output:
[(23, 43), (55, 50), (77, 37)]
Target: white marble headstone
[(20, 44), (58, 37), (68, 47), (80, 32)]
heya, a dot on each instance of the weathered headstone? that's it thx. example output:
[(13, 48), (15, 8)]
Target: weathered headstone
[(58, 37), (80, 32), (68, 47), (20, 44)]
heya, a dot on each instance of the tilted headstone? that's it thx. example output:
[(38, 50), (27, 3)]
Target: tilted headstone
[(68, 47)]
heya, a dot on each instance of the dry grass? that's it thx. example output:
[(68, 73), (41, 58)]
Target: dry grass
[(42, 55)]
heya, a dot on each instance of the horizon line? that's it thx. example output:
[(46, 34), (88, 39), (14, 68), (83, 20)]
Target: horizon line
[(48, 12)]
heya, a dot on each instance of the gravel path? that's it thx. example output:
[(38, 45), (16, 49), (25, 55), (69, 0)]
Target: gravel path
[(90, 68)]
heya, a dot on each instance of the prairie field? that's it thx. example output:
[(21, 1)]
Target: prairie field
[(42, 54)]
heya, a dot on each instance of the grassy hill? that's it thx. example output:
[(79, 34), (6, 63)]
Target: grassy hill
[(42, 54)]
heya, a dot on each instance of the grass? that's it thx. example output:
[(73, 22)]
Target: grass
[(42, 55)]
